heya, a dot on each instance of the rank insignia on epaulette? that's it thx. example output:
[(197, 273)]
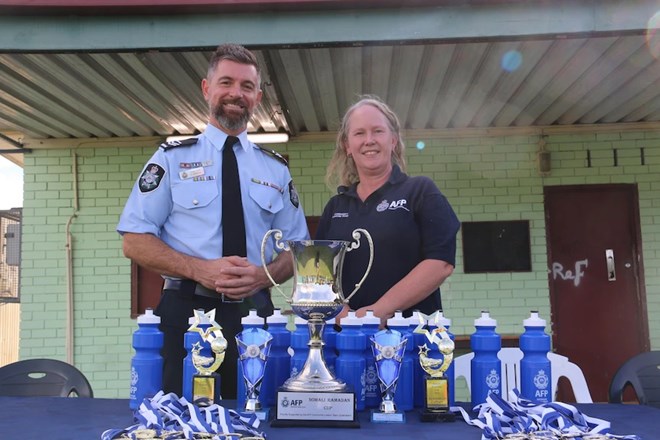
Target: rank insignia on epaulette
[(274, 154), (178, 143)]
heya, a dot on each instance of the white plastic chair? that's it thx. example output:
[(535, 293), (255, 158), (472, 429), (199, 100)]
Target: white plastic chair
[(511, 357)]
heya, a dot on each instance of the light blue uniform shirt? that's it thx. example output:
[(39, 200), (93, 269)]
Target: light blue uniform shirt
[(178, 198)]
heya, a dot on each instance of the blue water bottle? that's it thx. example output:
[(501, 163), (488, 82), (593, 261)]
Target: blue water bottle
[(278, 366), (350, 364), (147, 363), (370, 324), (449, 374), (404, 394), (252, 320), (535, 371), (330, 344), (486, 367), (189, 339), (418, 340), (299, 347)]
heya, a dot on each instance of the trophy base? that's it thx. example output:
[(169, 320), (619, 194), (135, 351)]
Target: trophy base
[(206, 389), (315, 409), (436, 416), (382, 417)]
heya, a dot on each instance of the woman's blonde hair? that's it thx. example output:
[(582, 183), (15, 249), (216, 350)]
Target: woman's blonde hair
[(341, 168)]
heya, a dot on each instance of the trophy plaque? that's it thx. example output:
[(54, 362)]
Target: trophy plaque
[(253, 351), (436, 386), (314, 396), (207, 357), (388, 347)]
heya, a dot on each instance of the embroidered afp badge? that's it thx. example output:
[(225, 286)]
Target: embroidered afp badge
[(151, 177), (293, 195)]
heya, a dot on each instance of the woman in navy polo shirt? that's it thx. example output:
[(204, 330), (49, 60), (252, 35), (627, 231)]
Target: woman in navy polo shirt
[(412, 224)]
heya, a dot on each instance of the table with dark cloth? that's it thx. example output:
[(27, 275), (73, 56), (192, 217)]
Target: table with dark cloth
[(61, 418)]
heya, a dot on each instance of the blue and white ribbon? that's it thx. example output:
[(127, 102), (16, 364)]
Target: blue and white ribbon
[(168, 417), (521, 418)]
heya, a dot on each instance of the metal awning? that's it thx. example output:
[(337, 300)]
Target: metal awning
[(498, 75)]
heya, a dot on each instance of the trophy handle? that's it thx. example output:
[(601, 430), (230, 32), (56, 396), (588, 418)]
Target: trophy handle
[(355, 245), (279, 245)]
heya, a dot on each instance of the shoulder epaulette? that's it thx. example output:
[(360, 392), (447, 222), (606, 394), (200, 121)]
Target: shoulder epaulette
[(273, 154), (182, 143)]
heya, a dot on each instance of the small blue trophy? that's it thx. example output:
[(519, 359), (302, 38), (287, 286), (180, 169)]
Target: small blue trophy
[(253, 350), (388, 347)]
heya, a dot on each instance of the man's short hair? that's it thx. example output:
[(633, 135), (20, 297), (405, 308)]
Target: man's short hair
[(232, 52)]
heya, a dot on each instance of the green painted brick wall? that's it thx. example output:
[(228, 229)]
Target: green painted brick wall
[(484, 178)]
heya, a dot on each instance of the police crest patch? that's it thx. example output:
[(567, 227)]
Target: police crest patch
[(293, 195), (151, 177)]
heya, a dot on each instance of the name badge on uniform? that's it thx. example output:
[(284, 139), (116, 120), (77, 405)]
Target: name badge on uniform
[(193, 172)]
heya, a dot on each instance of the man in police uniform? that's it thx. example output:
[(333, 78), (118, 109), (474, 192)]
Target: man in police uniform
[(172, 225)]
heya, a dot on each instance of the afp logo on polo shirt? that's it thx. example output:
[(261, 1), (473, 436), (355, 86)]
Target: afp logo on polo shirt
[(392, 206)]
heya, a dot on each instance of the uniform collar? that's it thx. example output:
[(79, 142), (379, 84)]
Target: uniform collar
[(396, 176), (218, 137)]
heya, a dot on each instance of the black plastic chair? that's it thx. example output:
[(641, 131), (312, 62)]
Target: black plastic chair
[(642, 371), (43, 377)]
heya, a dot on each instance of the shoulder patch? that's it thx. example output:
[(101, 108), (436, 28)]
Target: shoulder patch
[(293, 195), (182, 143), (151, 177), (273, 154)]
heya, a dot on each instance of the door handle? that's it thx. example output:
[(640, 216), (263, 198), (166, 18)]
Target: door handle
[(611, 271)]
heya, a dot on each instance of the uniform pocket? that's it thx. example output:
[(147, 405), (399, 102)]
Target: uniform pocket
[(269, 199), (193, 195)]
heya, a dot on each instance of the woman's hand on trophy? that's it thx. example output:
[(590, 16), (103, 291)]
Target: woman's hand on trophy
[(342, 314)]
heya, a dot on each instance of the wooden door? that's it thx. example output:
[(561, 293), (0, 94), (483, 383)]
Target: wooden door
[(595, 273)]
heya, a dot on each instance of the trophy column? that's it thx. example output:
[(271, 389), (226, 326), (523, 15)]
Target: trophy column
[(206, 382), (436, 386)]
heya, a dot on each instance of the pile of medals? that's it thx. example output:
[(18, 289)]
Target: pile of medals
[(168, 417), (521, 419)]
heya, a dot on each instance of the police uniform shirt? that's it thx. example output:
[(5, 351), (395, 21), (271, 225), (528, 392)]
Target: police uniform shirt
[(409, 220), (178, 197)]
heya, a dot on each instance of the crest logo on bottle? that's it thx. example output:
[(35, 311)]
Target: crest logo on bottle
[(493, 381), (541, 380)]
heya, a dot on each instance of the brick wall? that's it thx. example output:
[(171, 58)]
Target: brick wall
[(484, 178)]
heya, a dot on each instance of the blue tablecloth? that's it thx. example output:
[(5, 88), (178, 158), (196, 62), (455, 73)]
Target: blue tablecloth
[(57, 418)]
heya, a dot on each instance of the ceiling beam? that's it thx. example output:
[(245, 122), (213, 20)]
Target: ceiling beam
[(498, 20)]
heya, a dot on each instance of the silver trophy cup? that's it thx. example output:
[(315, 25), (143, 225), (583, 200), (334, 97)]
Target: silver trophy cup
[(317, 296)]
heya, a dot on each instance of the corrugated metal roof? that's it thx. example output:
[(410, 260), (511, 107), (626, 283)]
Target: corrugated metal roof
[(541, 82)]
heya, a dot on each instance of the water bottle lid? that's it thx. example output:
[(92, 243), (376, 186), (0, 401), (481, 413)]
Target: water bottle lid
[(534, 320), (397, 320), (442, 320), (413, 320), (252, 318), (351, 319), (370, 318), (485, 320), (148, 318), (277, 318)]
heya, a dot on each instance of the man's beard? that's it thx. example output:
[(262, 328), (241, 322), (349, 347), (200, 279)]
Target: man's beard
[(231, 121)]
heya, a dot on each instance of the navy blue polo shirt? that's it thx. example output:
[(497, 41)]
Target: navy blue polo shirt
[(409, 220)]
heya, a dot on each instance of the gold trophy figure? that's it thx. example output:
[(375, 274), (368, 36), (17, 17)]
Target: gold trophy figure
[(436, 385), (206, 383)]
